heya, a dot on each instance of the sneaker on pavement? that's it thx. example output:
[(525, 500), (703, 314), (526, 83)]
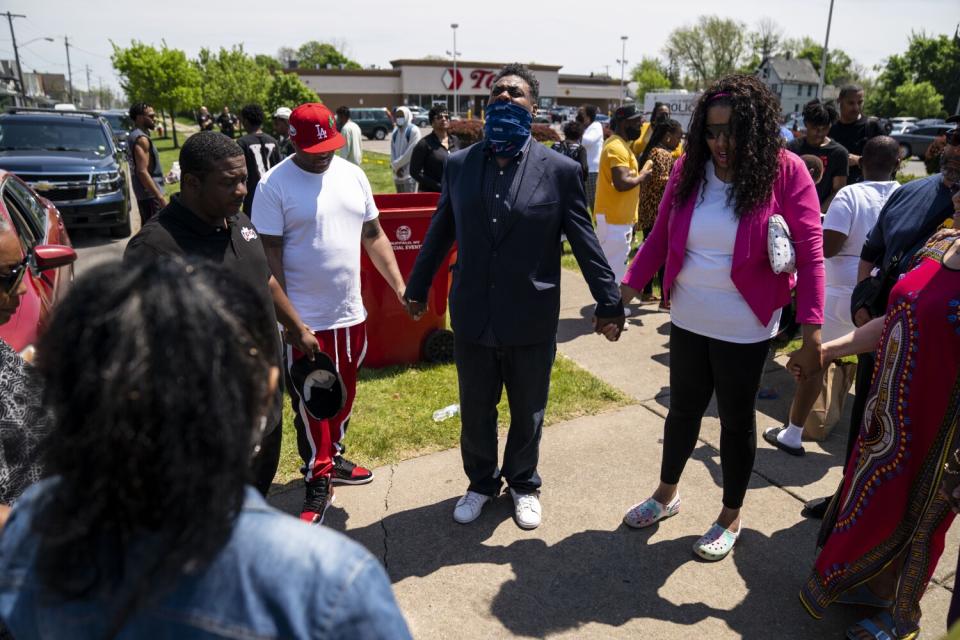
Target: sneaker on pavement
[(318, 498), (469, 506), (526, 509), (346, 472)]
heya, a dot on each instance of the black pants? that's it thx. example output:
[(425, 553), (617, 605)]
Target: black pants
[(648, 288), (483, 372), (861, 389), (700, 366), (266, 462)]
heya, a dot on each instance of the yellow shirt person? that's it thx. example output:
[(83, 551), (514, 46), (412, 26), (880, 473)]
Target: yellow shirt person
[(617, 207)]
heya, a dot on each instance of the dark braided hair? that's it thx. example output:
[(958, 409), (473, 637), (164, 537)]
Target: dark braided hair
[(661, 127), (156, 376), (755, 124)]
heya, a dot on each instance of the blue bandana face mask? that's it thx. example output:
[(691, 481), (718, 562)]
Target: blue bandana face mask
[(507, 128)]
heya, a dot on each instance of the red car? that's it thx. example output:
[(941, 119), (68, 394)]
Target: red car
[(46, 248)]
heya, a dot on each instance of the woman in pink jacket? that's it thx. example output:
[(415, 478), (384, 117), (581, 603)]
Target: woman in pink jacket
[(711, 231)]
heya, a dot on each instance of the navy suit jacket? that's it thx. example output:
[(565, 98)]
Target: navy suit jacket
[(512, 280)]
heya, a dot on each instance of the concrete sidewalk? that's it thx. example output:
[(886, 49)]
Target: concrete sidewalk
[(583, 574)]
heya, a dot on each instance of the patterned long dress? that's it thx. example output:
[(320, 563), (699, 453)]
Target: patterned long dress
[(888, 508), (23, 424)]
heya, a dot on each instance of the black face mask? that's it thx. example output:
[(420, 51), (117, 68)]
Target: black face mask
[(579, 118), (632, 133)]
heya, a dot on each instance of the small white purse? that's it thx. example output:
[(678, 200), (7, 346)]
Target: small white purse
[(783, 256)]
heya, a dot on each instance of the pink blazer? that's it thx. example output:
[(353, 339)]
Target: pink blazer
[(795, 198)]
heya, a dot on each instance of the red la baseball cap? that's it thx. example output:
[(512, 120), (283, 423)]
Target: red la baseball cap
[(314, 129)]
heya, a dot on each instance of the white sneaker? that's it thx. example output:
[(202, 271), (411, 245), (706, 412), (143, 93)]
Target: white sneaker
[(469, 506), (526, 509)]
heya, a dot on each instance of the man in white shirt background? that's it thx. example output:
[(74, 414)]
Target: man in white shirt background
[(350, 130), (852, 214), (593, 143), (314, 210)]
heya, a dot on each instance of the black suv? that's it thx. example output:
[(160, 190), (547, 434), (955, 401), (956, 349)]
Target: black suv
[(70, 158)]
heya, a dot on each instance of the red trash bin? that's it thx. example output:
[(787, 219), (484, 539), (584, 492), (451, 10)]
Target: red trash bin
[(392, 336)]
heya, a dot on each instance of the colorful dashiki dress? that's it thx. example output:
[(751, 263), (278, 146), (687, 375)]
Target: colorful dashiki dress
[(888, 506)]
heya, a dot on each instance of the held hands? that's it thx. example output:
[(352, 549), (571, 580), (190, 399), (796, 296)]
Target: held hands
[(611, 328), (414, 309), (805, 362)]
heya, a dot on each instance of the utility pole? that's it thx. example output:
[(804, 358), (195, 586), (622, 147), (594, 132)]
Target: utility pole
[(89, 95), (623, 62), (456, 85), (823, 61), (66, 44), (16, 54)]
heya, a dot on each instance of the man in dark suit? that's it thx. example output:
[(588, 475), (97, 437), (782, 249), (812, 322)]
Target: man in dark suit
[(505, 201)]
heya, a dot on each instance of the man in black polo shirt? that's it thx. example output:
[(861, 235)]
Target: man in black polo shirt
[(205, 222)]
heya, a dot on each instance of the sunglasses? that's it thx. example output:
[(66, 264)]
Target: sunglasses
[(11, 280), (714, 131)]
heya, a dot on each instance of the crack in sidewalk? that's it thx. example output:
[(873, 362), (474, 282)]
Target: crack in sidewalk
[(383, 520)]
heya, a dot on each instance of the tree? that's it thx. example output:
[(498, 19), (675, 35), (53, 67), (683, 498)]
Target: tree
[(918, 99), (710, 49), (650, 74), (163, 77), (286, 55), (927, 59), (287, 90), (317, 55), (763, 42), (269, 63), (232, 78)]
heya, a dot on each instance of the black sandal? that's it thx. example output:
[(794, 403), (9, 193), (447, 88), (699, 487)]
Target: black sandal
[(770, 435)]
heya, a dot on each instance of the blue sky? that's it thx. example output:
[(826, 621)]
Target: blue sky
[(581, 36)]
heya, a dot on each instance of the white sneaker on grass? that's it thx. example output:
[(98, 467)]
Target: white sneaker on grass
[(526, 509), (469, 506)]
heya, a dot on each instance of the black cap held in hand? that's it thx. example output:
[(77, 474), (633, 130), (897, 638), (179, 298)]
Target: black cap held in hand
[(319, 386)]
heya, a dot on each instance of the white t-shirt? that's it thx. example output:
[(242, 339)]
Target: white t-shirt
[(853, 212), (592, 141), (320, 217), (703, 298)]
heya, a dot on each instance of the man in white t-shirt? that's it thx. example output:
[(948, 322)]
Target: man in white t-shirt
[(313, 211), (593, 143), (852, 214)]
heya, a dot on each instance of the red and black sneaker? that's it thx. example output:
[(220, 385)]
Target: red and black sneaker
[(346, 472), (318, 498)]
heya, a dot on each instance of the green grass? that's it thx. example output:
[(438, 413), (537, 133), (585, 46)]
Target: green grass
[(392, 416), (375, 165)]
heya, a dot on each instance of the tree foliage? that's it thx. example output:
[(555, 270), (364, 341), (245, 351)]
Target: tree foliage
[(933, 59), (919, 99), (162, 77), (287, 90), (317, 55), (232, 78), (650, 75), (710, 49), (841, 68)]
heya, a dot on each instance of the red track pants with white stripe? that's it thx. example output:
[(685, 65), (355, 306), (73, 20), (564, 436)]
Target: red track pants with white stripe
[(318, 440)]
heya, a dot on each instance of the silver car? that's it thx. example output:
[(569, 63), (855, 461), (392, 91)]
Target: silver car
[(916, 142)]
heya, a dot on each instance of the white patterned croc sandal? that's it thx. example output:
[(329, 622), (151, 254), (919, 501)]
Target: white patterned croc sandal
[(716, 543), (650, 512)]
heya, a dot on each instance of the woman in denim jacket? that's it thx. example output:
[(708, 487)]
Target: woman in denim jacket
[(158, 379)]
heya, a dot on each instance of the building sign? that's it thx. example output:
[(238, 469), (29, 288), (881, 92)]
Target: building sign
[(681, 104), (478, 79), (451, 80)]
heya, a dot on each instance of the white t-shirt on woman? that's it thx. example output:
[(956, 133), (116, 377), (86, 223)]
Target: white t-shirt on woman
[(703, 298)]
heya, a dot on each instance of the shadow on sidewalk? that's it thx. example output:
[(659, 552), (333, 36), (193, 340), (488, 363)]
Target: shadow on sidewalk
[(606, 577)]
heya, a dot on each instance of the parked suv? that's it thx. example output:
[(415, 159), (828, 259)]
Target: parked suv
[(70, 158), (374, 123)]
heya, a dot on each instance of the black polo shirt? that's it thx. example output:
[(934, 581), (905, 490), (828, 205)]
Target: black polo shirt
[(177, 231)]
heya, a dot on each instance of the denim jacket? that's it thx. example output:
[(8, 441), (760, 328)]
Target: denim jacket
[(275, 578)]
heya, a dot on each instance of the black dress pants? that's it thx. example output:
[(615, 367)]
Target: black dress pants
[(483, 372), (700, 366)]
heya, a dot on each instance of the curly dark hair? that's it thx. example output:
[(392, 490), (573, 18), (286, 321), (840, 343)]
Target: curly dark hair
[(436, 111), (524, 73), (156, 376), (756, 129), (253, 115)]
